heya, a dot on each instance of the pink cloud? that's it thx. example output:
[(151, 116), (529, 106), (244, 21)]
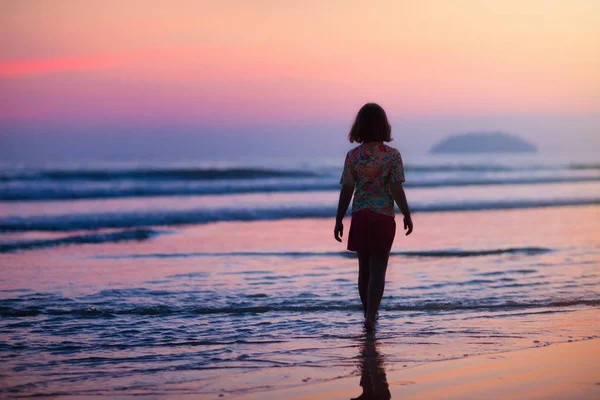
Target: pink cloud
[(16, 68), (40, 66)]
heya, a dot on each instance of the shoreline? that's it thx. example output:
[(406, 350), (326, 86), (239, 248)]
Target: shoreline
[(566, 370), (269, 310)]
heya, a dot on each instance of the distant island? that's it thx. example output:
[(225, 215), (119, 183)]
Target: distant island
[(483, 142)]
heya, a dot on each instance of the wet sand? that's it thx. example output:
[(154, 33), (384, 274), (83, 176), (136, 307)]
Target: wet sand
[(558, 371)]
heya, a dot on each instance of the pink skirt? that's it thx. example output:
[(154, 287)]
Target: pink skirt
[(371, 231)]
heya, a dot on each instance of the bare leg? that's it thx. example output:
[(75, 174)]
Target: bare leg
[(364, 259), (377, 269)]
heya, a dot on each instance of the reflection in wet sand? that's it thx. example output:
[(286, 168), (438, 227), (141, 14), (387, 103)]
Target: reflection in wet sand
[(371, 365)]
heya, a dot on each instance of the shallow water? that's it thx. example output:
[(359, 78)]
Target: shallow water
[(236, 307)]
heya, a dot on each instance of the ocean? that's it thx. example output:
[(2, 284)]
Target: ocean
[(219, 279)]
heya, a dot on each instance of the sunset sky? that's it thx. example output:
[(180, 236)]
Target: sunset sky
[(242, 72)]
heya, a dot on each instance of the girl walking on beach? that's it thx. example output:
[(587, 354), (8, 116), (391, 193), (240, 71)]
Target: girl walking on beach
[(373, 172)]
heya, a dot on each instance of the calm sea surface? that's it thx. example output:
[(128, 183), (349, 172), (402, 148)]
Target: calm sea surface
[(224, 279)]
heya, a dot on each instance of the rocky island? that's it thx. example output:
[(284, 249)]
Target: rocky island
[(483, 142)]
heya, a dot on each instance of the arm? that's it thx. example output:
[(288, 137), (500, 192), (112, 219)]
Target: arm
[(400, 199), (344, 202)]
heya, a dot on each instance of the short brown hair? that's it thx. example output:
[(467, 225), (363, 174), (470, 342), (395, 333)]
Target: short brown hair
[(371, 125)]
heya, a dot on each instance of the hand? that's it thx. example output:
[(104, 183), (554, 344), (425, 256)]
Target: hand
[(408, 224), (338, 231)]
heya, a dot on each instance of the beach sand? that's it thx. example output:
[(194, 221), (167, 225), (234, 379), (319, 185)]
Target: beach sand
[(558, 371)]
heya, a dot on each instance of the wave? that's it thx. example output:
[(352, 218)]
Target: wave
[(450, 253), (589, 166), (74, 191), (198, 173), (152, 174), (286, 307), (113, 237), (138, 219), (478, 253)]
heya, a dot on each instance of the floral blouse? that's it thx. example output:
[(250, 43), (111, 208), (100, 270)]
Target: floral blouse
[(371, 167)]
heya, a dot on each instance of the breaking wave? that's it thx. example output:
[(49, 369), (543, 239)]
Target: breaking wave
[(449, 253), (138, 219), (194, 174), (324, 306), (44, 191), (92, 238)]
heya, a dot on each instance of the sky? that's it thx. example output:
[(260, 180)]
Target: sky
[(228, 78)]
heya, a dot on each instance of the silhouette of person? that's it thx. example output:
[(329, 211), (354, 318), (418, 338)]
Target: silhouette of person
[(372, 179)]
